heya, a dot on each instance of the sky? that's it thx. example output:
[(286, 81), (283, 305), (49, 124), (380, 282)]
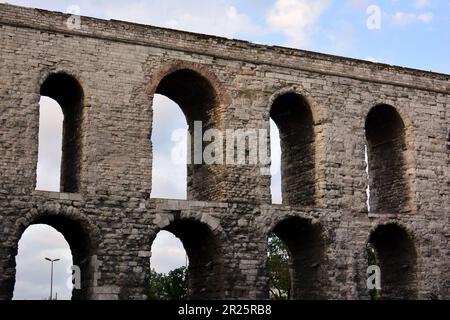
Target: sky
[(413, 34)]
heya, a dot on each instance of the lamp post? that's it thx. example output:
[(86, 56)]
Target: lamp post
[(51, 276)]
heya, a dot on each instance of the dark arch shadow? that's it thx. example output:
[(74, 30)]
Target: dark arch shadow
[(205, 270), (82, 242), (306, 248), (199, 101), (67, 91), (35, 240), (293, 117), (386, 147), (397, 259)]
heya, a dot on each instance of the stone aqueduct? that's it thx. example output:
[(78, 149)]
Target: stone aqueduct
[(327, 108)]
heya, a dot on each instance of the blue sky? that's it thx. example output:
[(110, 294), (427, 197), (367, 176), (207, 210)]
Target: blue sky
[(411, 33)]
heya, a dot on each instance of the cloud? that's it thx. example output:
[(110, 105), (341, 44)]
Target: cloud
[(420, 4), (50, 145), (275, 150), (358, 4), (296, 19), (33, 272), (167, 253), (168, 176), (371, 59), (168, 180), (343, 37), (212, 17), (426, 17), (403, 19)]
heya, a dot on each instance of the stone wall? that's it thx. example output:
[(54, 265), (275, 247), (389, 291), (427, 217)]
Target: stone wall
[(110, 222)]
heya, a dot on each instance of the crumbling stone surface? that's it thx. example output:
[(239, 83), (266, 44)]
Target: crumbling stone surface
[(327, 108)]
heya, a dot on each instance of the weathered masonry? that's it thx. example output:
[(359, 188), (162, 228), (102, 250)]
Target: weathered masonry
[(328, 109)]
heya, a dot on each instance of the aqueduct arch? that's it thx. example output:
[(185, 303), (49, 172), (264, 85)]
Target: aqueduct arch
[(307, 257), (67, 91), (293, 117), (204, 250), (225, 83), (387, 148), (82, 237), (397, 258), (200, 103)]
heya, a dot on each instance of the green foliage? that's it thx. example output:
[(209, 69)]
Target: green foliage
[(171, 286), (372, 261), (278, 265)]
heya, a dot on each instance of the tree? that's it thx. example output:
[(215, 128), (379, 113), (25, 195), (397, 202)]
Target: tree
[(171, 286), (278, 265)]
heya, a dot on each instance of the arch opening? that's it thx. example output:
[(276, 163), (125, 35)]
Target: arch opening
[(199, 103), (306, 249), (278, 267), (396, 256), (205, 267), (386, 147), (168, 264), (275, 164), (33, 271), (67, 92), (51, 119), (169, 169), (293, 117), (80, 246)]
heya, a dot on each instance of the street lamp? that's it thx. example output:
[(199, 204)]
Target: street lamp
[(51, 276)]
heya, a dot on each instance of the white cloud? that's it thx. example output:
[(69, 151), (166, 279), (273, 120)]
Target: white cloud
[(342, 38), (371, 59), (358, 4), (212, 17), (420, 4), (167, 253), (50, 145), (426, 17), (168, 176), (402, 19), (275, 155), (168, 180), (296, 19), (33, 272)]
